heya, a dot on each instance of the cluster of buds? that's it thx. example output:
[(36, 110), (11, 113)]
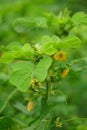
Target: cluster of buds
[(58, 123), (35, 83)]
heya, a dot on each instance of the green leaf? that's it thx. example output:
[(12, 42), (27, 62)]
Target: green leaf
[(22, 75), (23, 72), (27, 47), (13, 45), (21, 65), (40, 73), (70, 42), (11, 55), (55, 40), (49, 45), (17, 51), (41, 69), (7, 57), (45, 62), (28, 50), (79, 18)]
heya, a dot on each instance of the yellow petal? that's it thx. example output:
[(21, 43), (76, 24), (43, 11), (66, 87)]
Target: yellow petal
[(65, 72), (60, 56)]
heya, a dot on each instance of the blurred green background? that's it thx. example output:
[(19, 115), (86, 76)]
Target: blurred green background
[(74, 86)]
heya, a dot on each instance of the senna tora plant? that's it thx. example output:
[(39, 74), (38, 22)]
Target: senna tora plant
[(38, 67)]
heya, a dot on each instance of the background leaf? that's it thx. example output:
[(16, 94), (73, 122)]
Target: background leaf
[(8, 123), (80, 18), (28, 23)]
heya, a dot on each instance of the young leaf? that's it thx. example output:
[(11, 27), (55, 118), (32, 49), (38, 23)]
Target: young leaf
[(27, 48), (41, 69), (70, 42), (48, 46)]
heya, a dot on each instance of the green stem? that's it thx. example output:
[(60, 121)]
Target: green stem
[(6, 102), (44, 99), (47, 90)]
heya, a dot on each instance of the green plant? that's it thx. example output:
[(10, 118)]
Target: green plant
[(38, 68)]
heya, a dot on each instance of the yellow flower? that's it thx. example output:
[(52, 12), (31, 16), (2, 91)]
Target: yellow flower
[(30, 106), (65, 72), (60, 56)]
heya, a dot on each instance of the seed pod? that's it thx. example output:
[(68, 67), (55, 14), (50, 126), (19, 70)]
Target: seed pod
[(35, 83)]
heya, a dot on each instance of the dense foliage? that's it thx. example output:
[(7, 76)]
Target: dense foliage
[(43, 64)]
